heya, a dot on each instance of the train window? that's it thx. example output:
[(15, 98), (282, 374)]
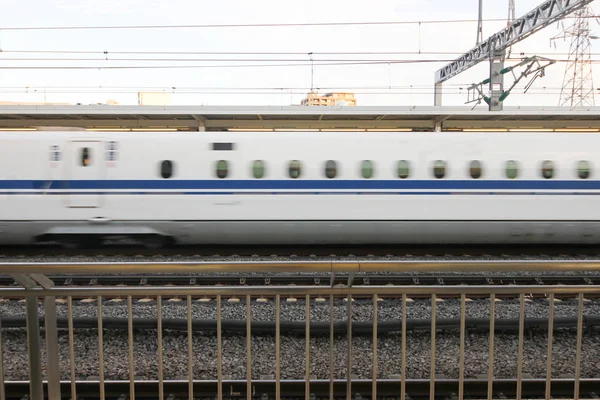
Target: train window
[(258, 169), (294, 169), (583, 169), (222, 146), (166, 169), (403, 169), (55, 153), (367, 169), (547, 169), (330, 169), (439, 169), (475, 169), (111, 151), (86, 159), (512, 169), (222, 169)]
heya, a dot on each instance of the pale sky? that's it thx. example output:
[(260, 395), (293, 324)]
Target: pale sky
[(412, 84)]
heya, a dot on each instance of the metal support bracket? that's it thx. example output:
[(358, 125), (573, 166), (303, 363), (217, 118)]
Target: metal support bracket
[(545, 14), (534, 66)]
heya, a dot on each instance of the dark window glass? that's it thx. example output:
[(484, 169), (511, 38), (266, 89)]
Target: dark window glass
[(475, 169), (512, 169), (295, 169), (403, 169), (330, 169), (584, 169), (367, 169), (222, 169), (222, 146), (86, 157), (547, 169), (258, 169), (439, 169), (166, 169)]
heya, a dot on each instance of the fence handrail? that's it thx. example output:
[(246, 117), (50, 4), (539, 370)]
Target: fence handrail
[(135, 291), (301, 266)]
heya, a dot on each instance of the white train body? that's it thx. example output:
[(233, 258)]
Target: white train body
[(46, 191)]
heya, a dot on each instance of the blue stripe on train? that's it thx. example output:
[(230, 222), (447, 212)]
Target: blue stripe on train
[(292, 184)]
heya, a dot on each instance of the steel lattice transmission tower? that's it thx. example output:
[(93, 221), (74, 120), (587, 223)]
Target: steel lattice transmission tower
[(578, 85)]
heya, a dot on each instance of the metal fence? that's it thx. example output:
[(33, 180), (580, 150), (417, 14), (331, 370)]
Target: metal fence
[(36, 286)]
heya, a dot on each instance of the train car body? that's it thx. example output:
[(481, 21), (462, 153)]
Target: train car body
[(300, 187)]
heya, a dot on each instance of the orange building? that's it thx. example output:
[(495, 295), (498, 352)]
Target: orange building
[(329, 99)]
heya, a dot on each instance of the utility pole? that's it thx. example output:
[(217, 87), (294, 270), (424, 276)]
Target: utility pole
[(480, 24), (510, 19)]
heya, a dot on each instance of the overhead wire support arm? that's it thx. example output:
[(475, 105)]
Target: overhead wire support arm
[(545, 14), (534, 66)]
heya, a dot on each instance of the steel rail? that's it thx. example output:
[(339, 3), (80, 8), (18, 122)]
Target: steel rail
[(416, 388), (301, 266), (297, 291), (311, 279)]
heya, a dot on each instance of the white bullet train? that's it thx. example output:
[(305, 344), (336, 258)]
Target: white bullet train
[(299, 187)]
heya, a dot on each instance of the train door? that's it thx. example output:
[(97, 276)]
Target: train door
[(84, 171)]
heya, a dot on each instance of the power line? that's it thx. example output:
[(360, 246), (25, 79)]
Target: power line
[(264, 25), (107, 56), (274, 65)]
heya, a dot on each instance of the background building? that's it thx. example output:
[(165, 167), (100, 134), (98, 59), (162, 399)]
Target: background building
[(154, 98), (329, 99)]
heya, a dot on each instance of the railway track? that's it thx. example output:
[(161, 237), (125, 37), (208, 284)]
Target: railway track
[(319, 389), (230, 251), (340, 280), (275, 279), (195, 336)]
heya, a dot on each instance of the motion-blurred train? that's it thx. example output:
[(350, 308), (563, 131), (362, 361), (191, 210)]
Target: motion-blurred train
[(299, 187)]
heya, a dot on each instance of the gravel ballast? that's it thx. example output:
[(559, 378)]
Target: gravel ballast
[(293, 347)]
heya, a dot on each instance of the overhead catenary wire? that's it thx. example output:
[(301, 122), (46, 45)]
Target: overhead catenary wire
[(273, 65), (281, 53), (257, 25)]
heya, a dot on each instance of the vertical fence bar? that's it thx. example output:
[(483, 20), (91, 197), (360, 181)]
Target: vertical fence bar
[(349, 336), (579, 340), (433, 315), (491, 362), (374, 390), (403, 364), (161, 386), (2, 392), (130, 340), (100, 349), (307, 355), (277, 348), (36, 389), (549, 355), (190, 350), (219, 351), (461, 377), (52, 361), (520, 357), (248, 349), (71, 347), (331, 339)]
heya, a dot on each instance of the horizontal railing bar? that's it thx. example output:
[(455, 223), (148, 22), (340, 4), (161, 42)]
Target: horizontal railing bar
[(298, 290), (214, 381), (304, 266)]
